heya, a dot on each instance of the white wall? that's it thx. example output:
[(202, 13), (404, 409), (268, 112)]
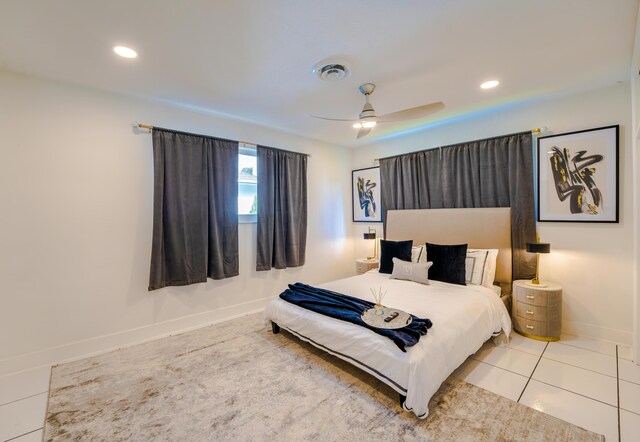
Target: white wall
[(593, 262), (635, 112), (76, 216)]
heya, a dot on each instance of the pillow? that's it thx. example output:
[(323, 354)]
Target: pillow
[(475, 264), (411, 271), (490, 269), (448, 262), (416, 253), (393, 249)]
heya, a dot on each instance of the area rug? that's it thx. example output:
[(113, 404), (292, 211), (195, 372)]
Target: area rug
[(238, 381)]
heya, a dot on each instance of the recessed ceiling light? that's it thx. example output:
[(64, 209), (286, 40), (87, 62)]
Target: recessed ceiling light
[(489, 84), (125, 52)]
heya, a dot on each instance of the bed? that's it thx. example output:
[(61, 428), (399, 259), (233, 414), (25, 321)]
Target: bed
[(463, 317)]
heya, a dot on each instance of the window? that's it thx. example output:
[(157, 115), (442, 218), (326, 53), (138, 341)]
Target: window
[(247, 184)]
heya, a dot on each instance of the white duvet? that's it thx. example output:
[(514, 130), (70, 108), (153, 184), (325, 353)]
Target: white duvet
[(463, 317)]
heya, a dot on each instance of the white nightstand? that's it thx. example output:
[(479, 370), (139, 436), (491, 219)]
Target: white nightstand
[(364, 265), (537, 310)]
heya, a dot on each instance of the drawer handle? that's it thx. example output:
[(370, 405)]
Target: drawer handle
[(530, 327), (529, 312), (530, 297)]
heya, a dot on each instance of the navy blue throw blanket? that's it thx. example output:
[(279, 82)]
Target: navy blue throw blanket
[(350, 309)]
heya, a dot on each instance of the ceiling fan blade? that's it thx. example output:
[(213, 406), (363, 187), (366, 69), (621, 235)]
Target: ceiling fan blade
[(363, 132), (330, 119), (413, 113)]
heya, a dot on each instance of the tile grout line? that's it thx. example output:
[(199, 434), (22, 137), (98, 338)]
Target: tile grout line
[(589, 349), (24, 434), (583, 368), (532, 371), (498, 367), (618, 392), (630, 382), (23, 398), (577, 394), (554, 360)]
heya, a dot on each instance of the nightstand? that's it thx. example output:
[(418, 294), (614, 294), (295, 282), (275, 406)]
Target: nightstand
[(537, 310), (364, 265)]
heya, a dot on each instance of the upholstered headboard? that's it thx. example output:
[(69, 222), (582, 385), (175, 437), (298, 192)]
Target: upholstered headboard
[(481, 228)]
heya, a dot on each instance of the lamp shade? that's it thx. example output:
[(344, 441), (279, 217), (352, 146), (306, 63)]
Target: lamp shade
[(371, 235), (538, 247)]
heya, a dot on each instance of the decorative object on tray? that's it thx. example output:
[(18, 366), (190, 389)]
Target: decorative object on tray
[(538, 248), (578, 176), (391, 318), (378, 296), (366, 195)]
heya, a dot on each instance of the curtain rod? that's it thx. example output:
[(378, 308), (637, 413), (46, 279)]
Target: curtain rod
[(537, 130), (150, 127)]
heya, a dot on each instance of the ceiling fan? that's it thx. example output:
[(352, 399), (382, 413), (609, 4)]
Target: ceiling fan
[(367, 119)]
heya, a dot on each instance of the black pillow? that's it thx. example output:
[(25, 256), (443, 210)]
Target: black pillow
[(448, 263), (395, 249)]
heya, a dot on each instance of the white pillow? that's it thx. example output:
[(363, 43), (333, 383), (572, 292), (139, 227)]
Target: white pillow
[(475, 264), (411, 271), (489, 274), (417, 254)]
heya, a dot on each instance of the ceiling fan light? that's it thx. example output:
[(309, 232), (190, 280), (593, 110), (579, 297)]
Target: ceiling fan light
[(125, 52), (368, 124), (489, 84), (357, 125)]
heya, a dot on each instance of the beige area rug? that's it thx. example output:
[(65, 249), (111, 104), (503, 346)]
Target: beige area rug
[(238, 381)]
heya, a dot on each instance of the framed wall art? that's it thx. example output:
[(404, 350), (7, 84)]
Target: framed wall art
[(578, 176), (366, 195)]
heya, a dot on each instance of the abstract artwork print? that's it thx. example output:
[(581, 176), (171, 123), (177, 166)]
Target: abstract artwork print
[(578, 176), (366, 195)]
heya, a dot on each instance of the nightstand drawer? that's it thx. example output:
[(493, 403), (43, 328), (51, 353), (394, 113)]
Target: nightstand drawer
[(531, 312), (531, 297), (530, 327)]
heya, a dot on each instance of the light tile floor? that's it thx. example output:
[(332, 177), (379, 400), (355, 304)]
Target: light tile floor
[(578, 380), (592, 384)]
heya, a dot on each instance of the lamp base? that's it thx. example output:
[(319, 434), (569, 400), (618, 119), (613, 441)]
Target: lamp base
[(536, 283)]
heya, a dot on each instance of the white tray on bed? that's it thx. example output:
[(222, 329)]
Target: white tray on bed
[(373, 318)]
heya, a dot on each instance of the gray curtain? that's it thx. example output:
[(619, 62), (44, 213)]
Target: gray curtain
[(495, 172), (195, 209), (282, 208)]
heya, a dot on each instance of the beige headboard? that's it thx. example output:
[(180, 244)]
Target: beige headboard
[(481, 228)]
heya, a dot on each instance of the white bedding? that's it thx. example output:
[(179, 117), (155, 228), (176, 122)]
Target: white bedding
[(463, 317)]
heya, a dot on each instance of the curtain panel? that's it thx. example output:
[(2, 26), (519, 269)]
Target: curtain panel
[(282, 208), (195, 209), (495, 172)]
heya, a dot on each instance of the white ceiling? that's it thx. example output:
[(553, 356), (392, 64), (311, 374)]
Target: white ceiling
[(252, 59)]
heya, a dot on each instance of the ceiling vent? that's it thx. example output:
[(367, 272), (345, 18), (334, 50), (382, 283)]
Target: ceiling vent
[(333, 71)]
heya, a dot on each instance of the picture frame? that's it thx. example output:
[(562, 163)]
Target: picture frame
[(365, 194), (578, 176)]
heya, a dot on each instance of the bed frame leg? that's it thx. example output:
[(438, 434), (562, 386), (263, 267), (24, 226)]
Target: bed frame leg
[(402, 399), (275, 328)]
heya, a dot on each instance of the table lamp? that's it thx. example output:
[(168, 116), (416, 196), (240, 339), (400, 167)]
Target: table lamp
[(538, 248), (372, 235)]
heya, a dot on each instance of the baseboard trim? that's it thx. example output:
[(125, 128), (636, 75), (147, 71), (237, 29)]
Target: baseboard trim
[(106, 343), (597, 332)]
